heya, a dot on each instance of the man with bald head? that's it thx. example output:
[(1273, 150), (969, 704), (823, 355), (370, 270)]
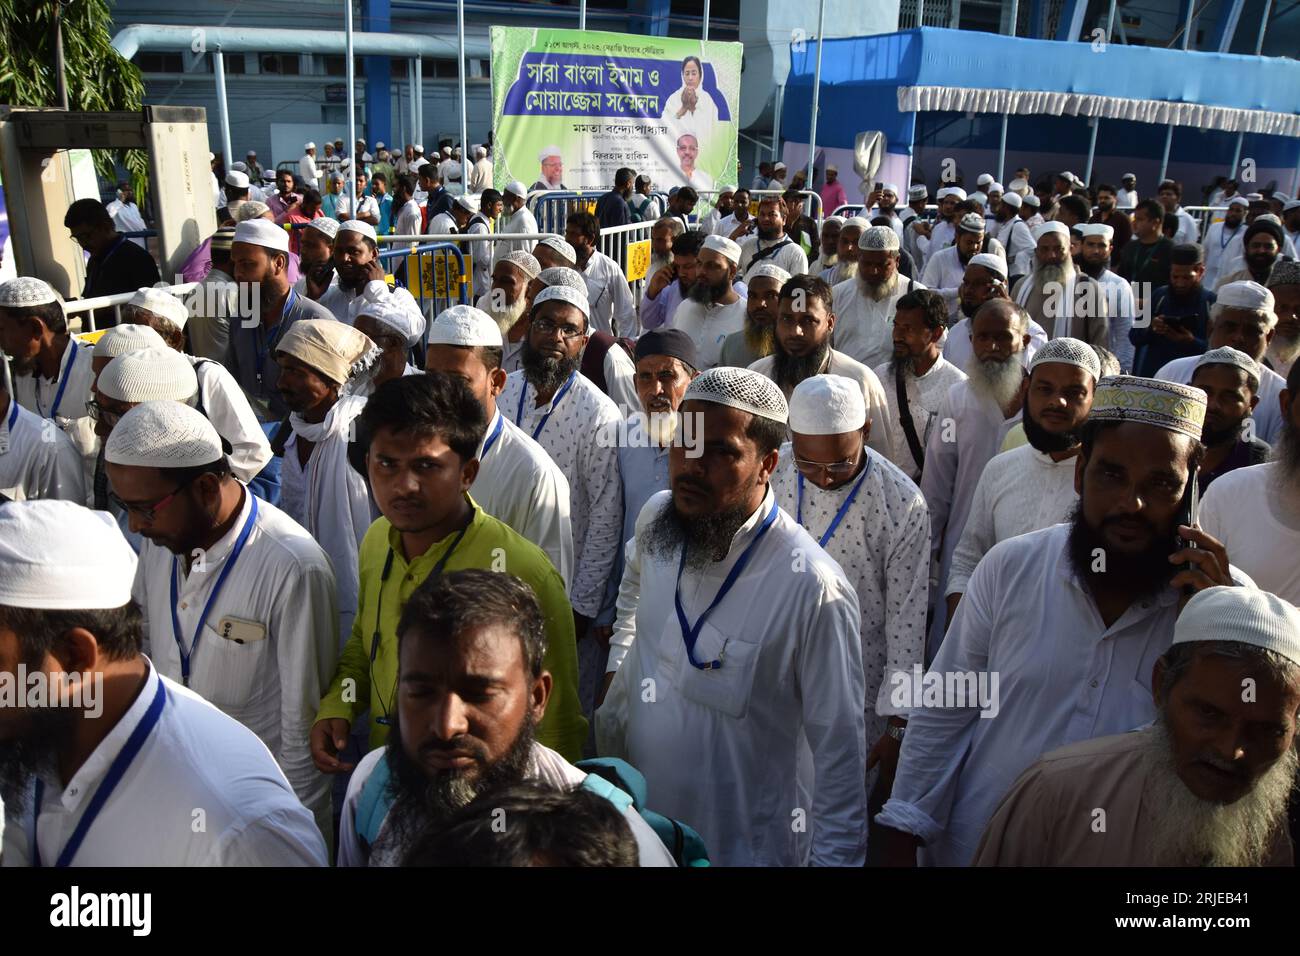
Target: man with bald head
[(1059, 298), (864, 304)]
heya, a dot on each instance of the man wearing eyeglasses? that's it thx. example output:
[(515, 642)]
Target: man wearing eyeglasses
[(869, 516)]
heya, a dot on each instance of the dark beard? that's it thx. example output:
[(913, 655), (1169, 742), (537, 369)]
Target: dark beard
[(1260, 266), (706, 538), (1223, 436), (1093, 269), (767, 235), (706, 294), (36, 751), (1145, 573), (968, 309), (545, 374), (1045, 441), (789, 370), (422, 802)]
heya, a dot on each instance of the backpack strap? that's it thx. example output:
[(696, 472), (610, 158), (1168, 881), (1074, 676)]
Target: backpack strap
[(909, 426), (603, 788), (373, 804)]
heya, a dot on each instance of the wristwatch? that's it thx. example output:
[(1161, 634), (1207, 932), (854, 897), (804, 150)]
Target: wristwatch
[(895, 732)]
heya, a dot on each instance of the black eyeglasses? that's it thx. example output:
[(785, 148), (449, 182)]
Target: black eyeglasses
[(98, 413), (149, 511), (547, 327)]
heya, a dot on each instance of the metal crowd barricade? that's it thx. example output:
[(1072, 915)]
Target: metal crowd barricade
[(1205, 216), (629, 246), (433, 272), (551, 207), (86, 307)]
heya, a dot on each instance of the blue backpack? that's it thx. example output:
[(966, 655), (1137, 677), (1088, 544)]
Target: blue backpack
[(616, 780)]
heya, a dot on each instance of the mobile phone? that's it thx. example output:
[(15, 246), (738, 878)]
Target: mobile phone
[(1189, 513), (879, 186)]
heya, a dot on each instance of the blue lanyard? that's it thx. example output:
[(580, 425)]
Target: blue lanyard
[(844, 508), (496, 433), (116, 771), (691, 634), (212, 598), (274, 334), (1223, 243), (13, 413), (63, 382), (519, 412)]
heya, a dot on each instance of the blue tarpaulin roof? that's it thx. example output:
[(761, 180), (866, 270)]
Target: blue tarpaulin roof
[(878, 82)]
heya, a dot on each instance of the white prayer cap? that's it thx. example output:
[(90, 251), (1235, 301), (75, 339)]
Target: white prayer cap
[(446, 151), (454, 171), (418, 149), (525, 262), (995, 188), (1245, 295), (468, 202), (163, 435), (1238, 201), (268, 175), (1226, 355), (856, 222), (1291, 204), (827, 405), (380, 145), (547, 152), (149, 375), (326, 346), (1047, 228), (396, 309), (1067, 351), (1032, 201), (560, 275), (479, 152), (1242, 616), (724, 247), (26, 292), (741, 389), (566, 251), (564, 293), (723, 190), (917, 192), (956, 192), (984, 179), (517, 188), (250, 209), (1254, 197), (212, 157), (1087, 229), (361, 226), (889, 188), (161, 302), (309, 146), (1017, 184), (61, 556), (971, 222), (769, 269), (838, 220), (237, 179), (1066, 175), (242, 167), (262, 232), (776, 166), (121, 339), (1012, 199), (989, 261), (879, 238), (979, 197), (330, 227), (466, 326), (1128, 176)]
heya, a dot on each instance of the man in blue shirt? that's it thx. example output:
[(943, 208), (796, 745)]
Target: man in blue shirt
[(1177, 324)]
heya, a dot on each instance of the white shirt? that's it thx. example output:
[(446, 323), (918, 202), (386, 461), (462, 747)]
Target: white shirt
[(226, 406), (481, 253), (1015, 237), (943, 273), (864, 328), (409, 220), (1259, 524), (338, 300), (791, 256), (942, 235), (1020, 491), (307, 170), (1120, 311), (729, 224), (882, 545), (127, 218), (573, 437), (519, 484), (612, 308), (281, 586), (368, 206), (196, 765), (1268, 413), (545, 767), (958, 350), (708, 326), (1234, 257), (1217, 238), (480, 175), (1126, 198), (1063, 676), (521, 221), (37, 460), (620, 379), (1189, 230), (924, 396), (443, 224), (37, 394), (739, 750)]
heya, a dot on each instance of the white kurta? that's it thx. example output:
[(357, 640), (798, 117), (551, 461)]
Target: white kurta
[(409, 221), (522, 222), (727, 750), (481, 252), (864, 328), (195, 758), (37, 394), (943, 274), (942, 235), (282, 586), (708, 326), (612, 308), (1234, 256), (789, 257), (1014, 236), (958, 350), (1063, 676), (924, 396), (1217, 238), (339, 302), (580, 435), (127, 218), (1020, 491), (1248, 511), (1120, 312), (37, 460), (226, 406), (882, 545), (620, 379), (519, 484), (1268, 413), (308, 171)]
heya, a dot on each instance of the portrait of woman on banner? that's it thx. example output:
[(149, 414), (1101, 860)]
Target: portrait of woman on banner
[(691, 108)]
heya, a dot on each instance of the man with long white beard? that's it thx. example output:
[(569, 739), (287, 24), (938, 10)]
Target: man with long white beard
[(1284, 283), (713, 310), (864, 304), (1256, 510), (944, 269), (507, 302), (1063, 620), (973, 419), (1057, 297), (770, 242), (829, 245), (1094, 261), (846, 252), (758, 338), (1032, 486), (802, 348), (985, 278), (1010, 230), (1184, 791)]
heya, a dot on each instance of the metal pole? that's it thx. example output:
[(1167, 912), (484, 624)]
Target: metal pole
[(920, 13), (582, 14), (223, 111), (1164, 159), (817, 88), (1002, 148), (776, 121), (460, 40), (1015, 15), (59, 78), (354, 204), (419, 101), (706, 20), (410, 79), (1095, 123)]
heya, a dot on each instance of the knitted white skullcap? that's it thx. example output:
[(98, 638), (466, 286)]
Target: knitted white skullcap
[(161, 302), (468, 201), (517, 188), (724, 247), (1227, 355), (263, 232), (919, 191), (1017, 184), (394, 308), (251, 209), (971, 222), (1012, 199), (163, 435), (995, 188), (1239, 201), (989, 261), (1087, 229), (984, 179), (525, 262), (147, 375), (856, 222), (1241, 615), (879, 238), (121, 339), (560, 246), (330, 227), (827, 405), (1246, 294), (25, 292), (237, 179), (560, 275), (60, 556), (770, 269), (1067, 351), (979, 197), (1047, 228), (1032, 201), (1285, 272), (742, 389), (361, 226), (564, 293), (466, 326), (838, 220)]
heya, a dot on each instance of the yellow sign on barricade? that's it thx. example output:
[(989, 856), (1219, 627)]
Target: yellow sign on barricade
[(638, 259), (428, 275)]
